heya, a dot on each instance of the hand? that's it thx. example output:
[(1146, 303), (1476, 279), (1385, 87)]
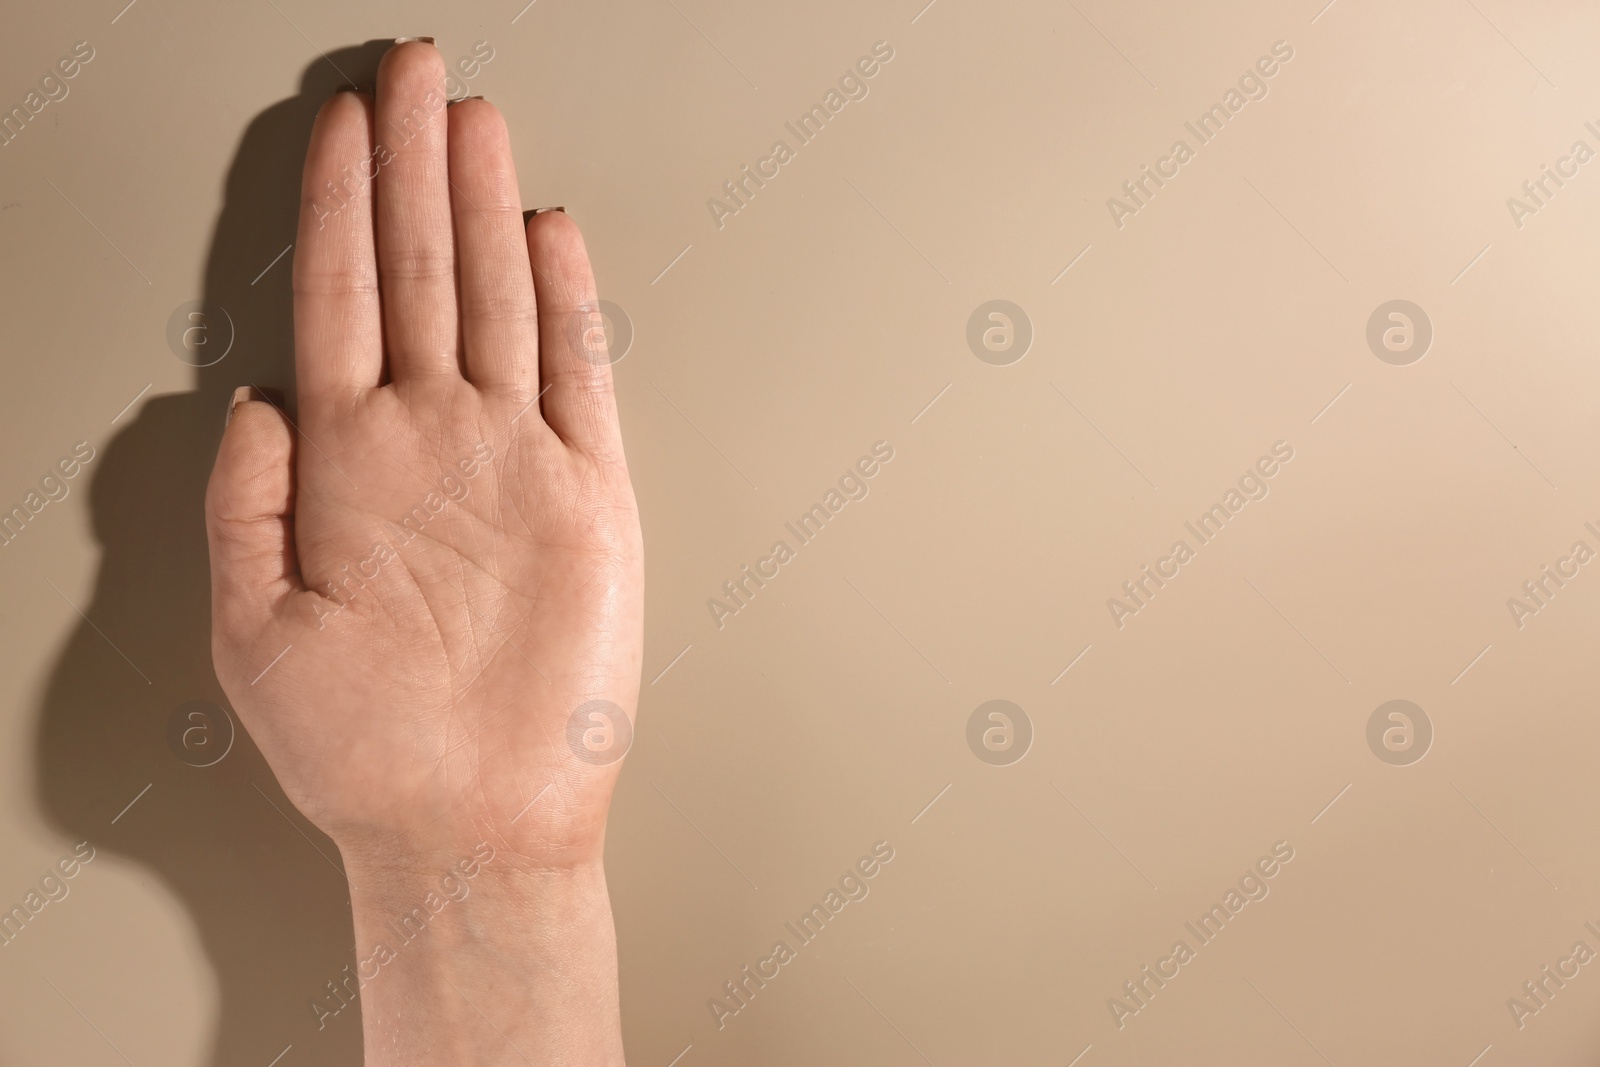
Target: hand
[(414, 590), (453, 567)]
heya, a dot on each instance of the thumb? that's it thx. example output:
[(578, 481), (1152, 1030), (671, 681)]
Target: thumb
[(250, 522)]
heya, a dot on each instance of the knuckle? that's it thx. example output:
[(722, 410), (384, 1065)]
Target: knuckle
[(498, 308), (419, 263)]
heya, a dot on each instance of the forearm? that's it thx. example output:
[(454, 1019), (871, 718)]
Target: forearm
[(485, 963), (445, 369)]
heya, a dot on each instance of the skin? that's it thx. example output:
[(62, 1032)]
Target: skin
[(421, 707)]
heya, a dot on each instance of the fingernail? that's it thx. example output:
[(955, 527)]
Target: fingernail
[(527, 215), (240, 395), (461, 99), (251, 392), (403, 40)]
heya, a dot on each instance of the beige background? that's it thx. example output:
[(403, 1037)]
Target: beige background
[(1226, 315)]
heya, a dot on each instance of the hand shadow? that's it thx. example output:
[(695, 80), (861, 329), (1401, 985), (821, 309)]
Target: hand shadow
[(262, 885)]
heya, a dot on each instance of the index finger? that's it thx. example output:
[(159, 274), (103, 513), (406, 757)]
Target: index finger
[(338, 337)]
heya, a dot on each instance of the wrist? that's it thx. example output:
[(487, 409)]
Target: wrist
[(394, 879), (495, 951), (541, 842)]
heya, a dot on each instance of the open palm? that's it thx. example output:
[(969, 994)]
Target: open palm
[(427, 590)]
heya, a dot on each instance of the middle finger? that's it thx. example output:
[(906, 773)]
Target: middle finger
[(416, 245)]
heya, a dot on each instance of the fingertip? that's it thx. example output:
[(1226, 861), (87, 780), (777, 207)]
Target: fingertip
[(344, 105), (413, 57), (404, 45), (249, 393), (479, 133), (462, 106), (560, 259), (253, 474), (553, 224)]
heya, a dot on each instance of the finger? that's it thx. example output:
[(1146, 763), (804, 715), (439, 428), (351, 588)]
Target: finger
[(250, 518), (416, 256), (337, 324), (573, 362), (499, 320)]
